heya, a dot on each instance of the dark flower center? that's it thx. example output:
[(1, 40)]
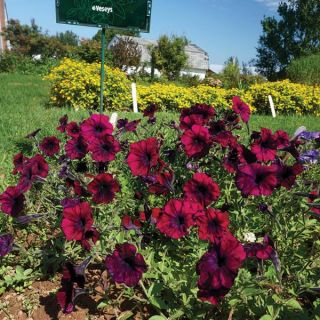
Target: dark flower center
[(202, 189), (213, 225), (259, 178), (181, 220), (99, 128), (104, 188), (130, 262), (198, 140), (106, 147), (80, 147), (222, 261)]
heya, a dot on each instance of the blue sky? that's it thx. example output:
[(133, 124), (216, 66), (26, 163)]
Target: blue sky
[(223, 28)]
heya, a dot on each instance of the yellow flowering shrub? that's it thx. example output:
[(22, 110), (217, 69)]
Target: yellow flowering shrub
[(172, 97), (77, 84), (288, 97)]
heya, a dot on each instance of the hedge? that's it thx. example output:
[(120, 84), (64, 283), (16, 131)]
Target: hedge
[(77, 84)]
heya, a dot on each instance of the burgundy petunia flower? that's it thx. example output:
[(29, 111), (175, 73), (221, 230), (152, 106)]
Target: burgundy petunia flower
[(241, 108), (125, 125), (12, 201), (6, 242), (150, 111), (35, 168), (187, 122), (103, 188), (202, 189), (213, 224), (96, 127), (218, 267), (262, 251), (72, 282), (311, 197), (73, 130), (104, 149), (125, 265), (265, 146), (177, 217), (77, 224), (196, 141), (128, 224), (287, 174), (50, 146), (256, 179), (282, 139), (163, 183), (234, 158), (18, 161), (225, 139), (205, 111), (216, 127), (76, 148), (143, 156), (63, 121)]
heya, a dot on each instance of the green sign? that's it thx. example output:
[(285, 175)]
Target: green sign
[(120, 14)]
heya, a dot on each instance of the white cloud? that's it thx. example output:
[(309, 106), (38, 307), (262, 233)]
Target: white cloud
[(272, 4)]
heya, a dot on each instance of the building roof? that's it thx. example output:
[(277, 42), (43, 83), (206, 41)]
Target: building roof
[(197, 57)]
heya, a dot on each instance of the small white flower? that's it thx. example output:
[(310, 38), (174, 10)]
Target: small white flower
[(114, 118), (249, 237)]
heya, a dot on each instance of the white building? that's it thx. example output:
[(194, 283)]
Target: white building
[(3, 22), (198, 59)]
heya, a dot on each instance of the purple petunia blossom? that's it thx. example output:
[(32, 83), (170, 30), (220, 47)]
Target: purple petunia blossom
[(6, 242), (309, 135), (311, 156)]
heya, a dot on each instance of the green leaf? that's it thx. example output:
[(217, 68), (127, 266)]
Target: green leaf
[(125, 315), (266, 317), (294, 304), (157, 318), (27, 272), (102, 305)]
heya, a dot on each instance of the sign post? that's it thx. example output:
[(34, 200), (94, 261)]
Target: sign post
[(117, 14), (103, 45)]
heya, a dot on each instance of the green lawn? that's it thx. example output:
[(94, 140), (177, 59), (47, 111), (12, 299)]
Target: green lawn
[(23, 106)]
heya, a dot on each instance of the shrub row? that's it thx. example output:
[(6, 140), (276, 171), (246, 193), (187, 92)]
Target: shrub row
[(77, 84)]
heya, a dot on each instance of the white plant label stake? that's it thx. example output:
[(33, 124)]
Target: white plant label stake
[(134, 98), (273, 111)]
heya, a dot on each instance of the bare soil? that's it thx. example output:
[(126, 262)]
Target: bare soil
[(38, 302)]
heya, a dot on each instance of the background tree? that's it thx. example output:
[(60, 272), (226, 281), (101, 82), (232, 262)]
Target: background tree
[(231, 73), (305, 70), (68, 38), (110, 33), (296, 33), (126, 53), (169, 55), (29, 40)]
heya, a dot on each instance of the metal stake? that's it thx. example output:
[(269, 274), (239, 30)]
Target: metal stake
[(103, 44)]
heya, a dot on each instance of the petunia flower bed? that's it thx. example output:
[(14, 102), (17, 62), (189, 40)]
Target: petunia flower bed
[(197, 218)]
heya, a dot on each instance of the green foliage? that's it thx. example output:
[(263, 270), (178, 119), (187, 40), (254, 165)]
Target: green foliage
[(14, 62), (294, 34), (16, 278), (29, 40), (168, 56), (110, 33), (305, 70), (68, 38)]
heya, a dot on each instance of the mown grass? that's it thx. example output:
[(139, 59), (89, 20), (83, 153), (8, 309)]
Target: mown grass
[(24, 108)]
